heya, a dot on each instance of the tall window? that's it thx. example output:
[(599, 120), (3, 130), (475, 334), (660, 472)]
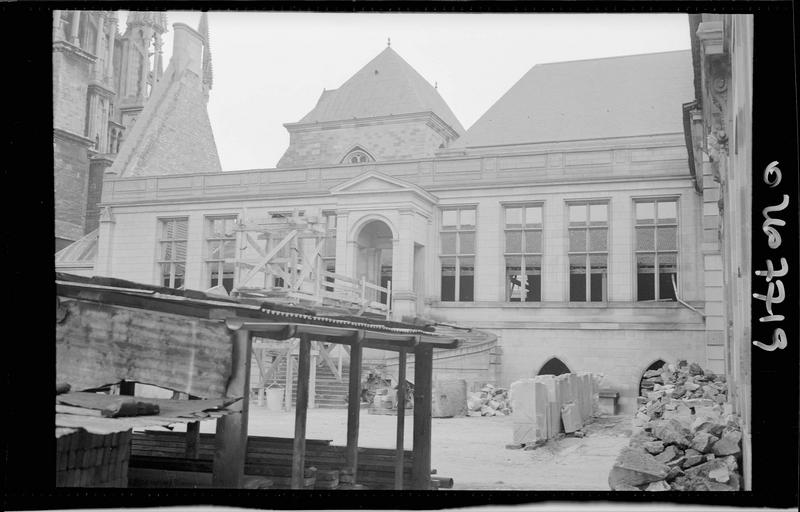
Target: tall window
[(656, 249), (172, 252), (220, 251), (329, 249), (523, 253), (588, 251), (457, 239)]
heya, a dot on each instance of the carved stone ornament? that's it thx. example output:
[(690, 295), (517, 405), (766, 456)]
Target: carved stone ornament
[(106, 215)]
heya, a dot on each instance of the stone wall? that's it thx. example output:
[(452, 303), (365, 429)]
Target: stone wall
[(70, 186), (327, 146)]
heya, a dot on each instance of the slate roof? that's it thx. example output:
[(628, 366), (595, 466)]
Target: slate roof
[(386, 85), (589, 99), (172, 134)]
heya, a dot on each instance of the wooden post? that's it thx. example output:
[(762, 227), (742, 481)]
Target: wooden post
[(299, 448), (230, 443), (312, 382), (287, 403), (354, 405), (192, 440), (401, 417), (423, 381)]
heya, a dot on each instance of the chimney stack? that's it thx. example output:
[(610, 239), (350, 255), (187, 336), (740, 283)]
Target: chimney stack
[(187, 48)]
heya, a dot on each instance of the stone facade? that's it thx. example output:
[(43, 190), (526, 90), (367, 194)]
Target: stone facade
[(100, 82), (406, 191)]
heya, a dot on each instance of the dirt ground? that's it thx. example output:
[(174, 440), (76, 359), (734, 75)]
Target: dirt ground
[(473, 450)]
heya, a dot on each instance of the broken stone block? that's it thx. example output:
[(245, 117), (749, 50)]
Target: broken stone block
[(571, 417), (693, 458), (671, 432), (640, 438), (636, 467), (669, 453), (695, 369), (654, 447), (703, 441), (691, 386), (661, 485), (728, 443), (674, 472), (626, 487), (730, 461), (720, 474)]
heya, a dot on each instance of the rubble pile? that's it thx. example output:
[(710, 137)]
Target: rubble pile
[(489, 401), (685, 436)]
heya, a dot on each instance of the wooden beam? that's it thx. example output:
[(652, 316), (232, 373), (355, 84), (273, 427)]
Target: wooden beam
[(301, 410), (354, 405), (193, 440), (423, 381), (401, 417), (230, 442)]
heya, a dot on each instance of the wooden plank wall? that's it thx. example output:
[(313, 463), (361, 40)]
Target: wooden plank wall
[(99, 344)]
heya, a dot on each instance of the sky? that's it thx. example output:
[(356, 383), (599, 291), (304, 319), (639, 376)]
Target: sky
[(271, 67)]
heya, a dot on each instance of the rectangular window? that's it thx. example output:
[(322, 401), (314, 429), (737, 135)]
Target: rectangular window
[(588, 251), (523, 253), (172, 252), (656, 249), (220, 251), (457, 250), (328, 252)]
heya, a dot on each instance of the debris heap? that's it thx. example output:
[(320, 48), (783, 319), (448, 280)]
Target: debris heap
[(489, 401), (685, 436)]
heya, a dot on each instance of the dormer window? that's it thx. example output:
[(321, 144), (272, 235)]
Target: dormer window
[(357, 156)]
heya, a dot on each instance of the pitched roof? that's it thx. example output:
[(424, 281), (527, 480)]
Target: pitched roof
[(172, 134), (589, 99), (386, 85)]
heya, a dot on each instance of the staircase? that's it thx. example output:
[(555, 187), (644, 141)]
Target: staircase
[(330, 393)]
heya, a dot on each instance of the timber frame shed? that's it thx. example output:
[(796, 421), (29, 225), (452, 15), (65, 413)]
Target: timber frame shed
[(112, 331)]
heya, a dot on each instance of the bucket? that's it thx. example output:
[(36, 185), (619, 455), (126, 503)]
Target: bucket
[(274, 399)]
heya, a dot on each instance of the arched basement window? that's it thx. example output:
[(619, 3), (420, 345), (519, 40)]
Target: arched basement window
[(357, 156), (645, 386), (554, 366)]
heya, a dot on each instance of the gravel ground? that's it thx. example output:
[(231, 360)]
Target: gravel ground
[(473, 450)]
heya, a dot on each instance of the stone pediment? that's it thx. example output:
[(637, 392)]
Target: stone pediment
[(375, 182)]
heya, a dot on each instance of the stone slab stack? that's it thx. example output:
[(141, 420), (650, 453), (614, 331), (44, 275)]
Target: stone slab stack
[(546, 406)]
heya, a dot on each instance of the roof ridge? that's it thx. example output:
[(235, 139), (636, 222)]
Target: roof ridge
[(609, 57)]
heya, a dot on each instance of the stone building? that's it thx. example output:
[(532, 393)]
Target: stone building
[(101, 80), (568, 220), (719, 136)]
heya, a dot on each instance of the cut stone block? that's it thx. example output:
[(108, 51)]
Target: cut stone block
[(449, 399), (571, 417), (529, 416), (636, 467)]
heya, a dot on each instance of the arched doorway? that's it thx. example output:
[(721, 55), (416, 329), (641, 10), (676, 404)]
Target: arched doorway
[(646, 386), (554, 366), (374, 255)]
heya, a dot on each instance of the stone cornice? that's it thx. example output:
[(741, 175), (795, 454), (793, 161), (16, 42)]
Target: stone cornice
[(70, 49), (72, 137), (428, 116), (101, 89)]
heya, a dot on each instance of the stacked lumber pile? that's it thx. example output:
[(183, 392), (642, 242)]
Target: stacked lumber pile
[(685, 439), (489, 401), (89, 460), (546, 406), (271, 457)]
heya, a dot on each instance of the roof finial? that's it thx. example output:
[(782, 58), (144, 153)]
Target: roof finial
[(389, 42), (435, 85)]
